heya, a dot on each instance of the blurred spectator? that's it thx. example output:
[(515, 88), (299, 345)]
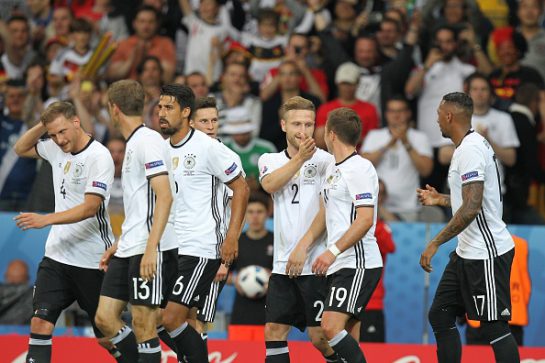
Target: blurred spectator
[(314, 80), (197, 82), (529, 12), (526, 169), (346, 79), (266, 47), (497, 11), (289, 80), (16, 295), (255, 248), (144, 42), (40, 21), (18, 54), (205, 31), (389, 37), (104, 19), (16, 174), (511, 47), (116, 146), (395, 150), (62, 18), (170, 16), (494, 125), (150, 75), (441, 73), (341, 31), (521, 287), (373, 327), (93, 115), (69, 61), (35, 81), (239, 128), (316, 12), (235, 93)]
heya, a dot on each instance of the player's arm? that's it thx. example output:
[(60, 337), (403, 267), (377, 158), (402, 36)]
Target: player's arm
[(298, 256), (276, 180), (25, 146), (87, 209), (239, 202), (430, 196), (472, 199), (160, 185)]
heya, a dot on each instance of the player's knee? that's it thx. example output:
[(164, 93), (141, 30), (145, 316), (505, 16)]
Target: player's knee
[(493, 330), (41, 326), (172, 319), (441, 319), (276, 332), (103, 320), (331, 327), (319, 340)]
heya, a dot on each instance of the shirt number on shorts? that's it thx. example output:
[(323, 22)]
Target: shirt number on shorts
[(178, 286), (320, 305), (481, 298), (141, 288), (339, 293)]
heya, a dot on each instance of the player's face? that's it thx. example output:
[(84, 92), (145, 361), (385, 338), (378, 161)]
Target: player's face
[(297, 123), (479, 91), (206, 120), (256, 215), (63, 132), (442, 120), (170, 115)]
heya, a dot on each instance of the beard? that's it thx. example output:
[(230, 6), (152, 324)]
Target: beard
[(168, 130)]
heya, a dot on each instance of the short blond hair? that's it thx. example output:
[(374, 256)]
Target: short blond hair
[(56, 109), (128, 95), (296, 103)]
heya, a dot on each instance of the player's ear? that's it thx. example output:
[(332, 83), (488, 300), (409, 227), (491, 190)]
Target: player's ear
[(283, 124), (186, 112)]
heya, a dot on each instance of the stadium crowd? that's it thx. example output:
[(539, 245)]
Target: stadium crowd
[(390, 61)]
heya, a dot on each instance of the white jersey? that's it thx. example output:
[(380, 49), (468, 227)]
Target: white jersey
[(201, 166), (296, 205), (351, 184), (146, 156), (68, 62), (396, 161), (487, 236), (90, 171)]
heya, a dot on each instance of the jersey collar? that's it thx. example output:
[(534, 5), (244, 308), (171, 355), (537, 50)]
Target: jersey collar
[(85, 147), (286, 153), (470, 131), (348, 157), (133, 132), (185, 140)]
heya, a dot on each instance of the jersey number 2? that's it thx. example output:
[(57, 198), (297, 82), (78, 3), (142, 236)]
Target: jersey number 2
[(295, 190)]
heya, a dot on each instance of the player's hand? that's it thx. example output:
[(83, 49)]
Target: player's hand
[(428, 196), (296, 262), (222, 273), (148, 265), (30, 220), (322, 263), (106, 256), (307, 147), (425, 258), (229, 251)]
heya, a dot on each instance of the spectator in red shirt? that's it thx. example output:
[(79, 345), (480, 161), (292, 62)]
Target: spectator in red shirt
[(372, 325), (346, 78)]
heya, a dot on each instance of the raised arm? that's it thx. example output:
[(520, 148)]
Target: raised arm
[(25, 146), (472, 199)]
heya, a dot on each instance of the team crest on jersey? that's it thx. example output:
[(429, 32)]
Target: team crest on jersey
[(309, 174), (67, 167), (189, 161), (78, 171), (175, 162)]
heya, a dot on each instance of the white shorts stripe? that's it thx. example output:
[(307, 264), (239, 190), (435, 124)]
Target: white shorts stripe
[(194, 280), (355, 290)]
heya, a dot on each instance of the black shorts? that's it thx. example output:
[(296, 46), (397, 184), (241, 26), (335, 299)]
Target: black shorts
[(208, 311), (195, 275), (479, 288), (123, 281), (58, 285), (297, 302), (349, 290)]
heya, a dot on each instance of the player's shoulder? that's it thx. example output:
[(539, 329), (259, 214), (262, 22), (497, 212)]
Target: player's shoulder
[(473, 146), (356, 166), (323, 156), (273, 157)]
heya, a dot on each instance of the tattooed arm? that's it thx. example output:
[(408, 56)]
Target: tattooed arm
[(472, 198)]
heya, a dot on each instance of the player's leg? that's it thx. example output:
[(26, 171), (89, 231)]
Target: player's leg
[(52, 294), (170, 274), (207, 314), (313, 291), (276, 343), (143, 323), (495, 310), (114, 296), (353, 327), (87, 284), (446, 306), (195, 276)]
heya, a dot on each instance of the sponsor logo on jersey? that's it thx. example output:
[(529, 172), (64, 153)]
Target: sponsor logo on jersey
[(231, 169), (100, 185), (362, 196), (154, 164), (470, 175)]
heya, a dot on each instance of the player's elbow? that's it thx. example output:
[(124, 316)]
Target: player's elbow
[(90, 210), (268, 185), (19, 149)]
